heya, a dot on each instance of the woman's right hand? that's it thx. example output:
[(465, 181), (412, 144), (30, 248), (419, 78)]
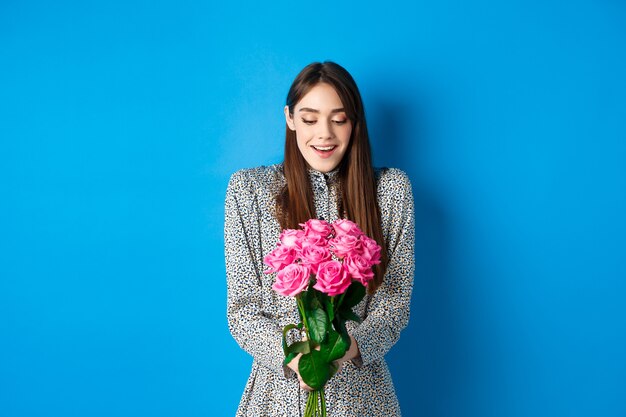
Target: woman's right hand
[(293, 365), (352, 353)]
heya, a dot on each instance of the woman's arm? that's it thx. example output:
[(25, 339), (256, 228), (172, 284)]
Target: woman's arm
[(254, 332), (388, 311)]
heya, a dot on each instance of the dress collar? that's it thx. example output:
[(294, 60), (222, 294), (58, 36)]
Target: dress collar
[(330, 176)]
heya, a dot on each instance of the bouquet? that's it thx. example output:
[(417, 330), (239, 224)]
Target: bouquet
[(326, 268)]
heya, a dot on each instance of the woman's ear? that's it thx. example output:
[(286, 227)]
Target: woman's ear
[(289, 119)]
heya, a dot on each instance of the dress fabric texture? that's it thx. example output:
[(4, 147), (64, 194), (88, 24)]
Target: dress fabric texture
[(257, 314)]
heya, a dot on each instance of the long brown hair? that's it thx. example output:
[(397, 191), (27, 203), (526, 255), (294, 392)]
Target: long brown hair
[(356, 175)]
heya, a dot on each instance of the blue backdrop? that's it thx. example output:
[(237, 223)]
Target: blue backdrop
[(121, 122)]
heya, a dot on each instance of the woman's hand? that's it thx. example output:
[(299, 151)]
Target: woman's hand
[(351, 353), (293, 365), (295, 362)]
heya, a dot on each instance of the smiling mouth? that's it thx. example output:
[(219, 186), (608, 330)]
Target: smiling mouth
[(324, 148), (324, 151)]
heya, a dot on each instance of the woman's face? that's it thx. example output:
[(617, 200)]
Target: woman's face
[(322, 127)]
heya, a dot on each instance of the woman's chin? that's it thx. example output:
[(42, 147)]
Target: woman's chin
[(322, 164), (324, 167)]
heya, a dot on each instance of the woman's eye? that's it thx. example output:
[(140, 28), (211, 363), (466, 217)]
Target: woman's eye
[(308, 122), (340, 122)]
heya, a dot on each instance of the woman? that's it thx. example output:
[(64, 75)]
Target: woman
[(326, 174)]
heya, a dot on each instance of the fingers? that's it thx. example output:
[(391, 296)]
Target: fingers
[(294, 365), (339, 365), (303, 385)]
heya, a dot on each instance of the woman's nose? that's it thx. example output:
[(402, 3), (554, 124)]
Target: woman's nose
[(325, 130)]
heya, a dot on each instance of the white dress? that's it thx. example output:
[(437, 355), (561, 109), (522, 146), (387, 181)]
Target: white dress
[(257, 314)]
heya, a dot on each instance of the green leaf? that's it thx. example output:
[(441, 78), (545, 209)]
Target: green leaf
[(330, 307), (318, 324), (314, 369), (340, 326), (289, 358), (309, 299), (354, 295), (285, 331), (349, 315), (305, 298), (299, 347), (316, 303), (335, 347)]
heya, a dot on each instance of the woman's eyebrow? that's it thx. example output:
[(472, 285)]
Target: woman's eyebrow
[(310, 110)]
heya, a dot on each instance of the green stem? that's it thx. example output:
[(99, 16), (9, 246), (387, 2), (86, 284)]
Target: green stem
[(317, 408), (315, 404), (311, 405), (341, 296), (303, 316), (317, 394)]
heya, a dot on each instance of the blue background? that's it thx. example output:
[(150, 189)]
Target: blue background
[(121, 122)]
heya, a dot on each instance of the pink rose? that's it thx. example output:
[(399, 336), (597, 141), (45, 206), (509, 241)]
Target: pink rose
[(292, 280), (332, 278), (314, 227), (370, 250), (279, 258), (292, 238), (359, 268), (345, 244), (314, 255), (346, 227), (314, 240)]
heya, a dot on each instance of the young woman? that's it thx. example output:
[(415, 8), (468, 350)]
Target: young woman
[(327, 174)]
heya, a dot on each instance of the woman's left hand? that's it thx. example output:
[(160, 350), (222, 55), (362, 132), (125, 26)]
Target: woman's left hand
[(351, 353)]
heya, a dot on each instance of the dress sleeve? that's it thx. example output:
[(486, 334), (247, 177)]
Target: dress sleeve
[(388, 311), (254, 332)]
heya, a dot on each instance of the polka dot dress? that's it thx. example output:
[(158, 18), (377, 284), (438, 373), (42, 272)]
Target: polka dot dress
[(257, 314)]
